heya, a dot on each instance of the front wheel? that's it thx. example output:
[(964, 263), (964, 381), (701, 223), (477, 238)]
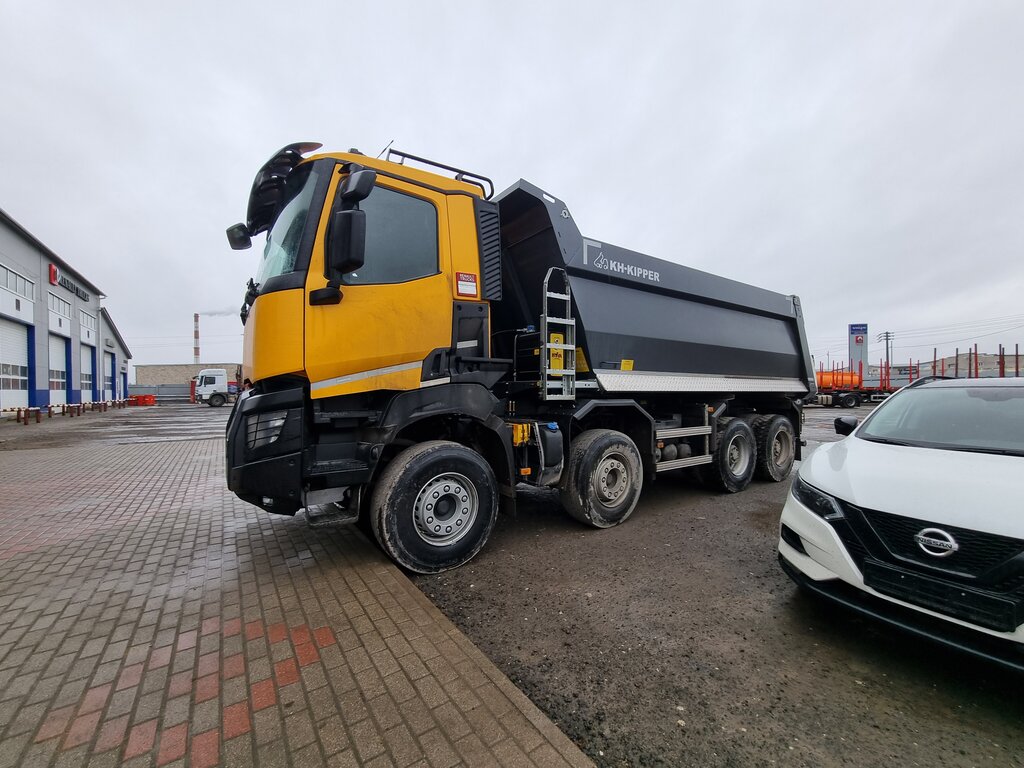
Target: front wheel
[(434, 506), (602, 483), (217, 400), (734, 459)]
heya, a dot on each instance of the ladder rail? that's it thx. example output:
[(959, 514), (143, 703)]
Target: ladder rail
[(558, 376)]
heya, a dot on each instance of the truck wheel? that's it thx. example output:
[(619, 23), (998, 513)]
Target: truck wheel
[(849, 401), (602, 482), (434, 506), (734, 459), (776, 448), (217, 400)]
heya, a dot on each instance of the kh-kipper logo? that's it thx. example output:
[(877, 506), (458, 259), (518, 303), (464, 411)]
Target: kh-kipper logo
[(619, 267)]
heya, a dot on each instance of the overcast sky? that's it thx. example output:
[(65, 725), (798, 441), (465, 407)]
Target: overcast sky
[(867, 156)]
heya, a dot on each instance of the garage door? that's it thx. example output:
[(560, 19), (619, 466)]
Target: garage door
[(108, 376), (58, 370), (13, 365), (88, 370)]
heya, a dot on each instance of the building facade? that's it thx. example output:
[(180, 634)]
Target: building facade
[(57, 343), (178, 374)]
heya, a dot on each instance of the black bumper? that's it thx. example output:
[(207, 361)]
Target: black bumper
[(268, 475), (1006, 653)]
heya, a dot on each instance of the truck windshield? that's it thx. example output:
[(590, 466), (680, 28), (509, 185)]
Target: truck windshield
[(988, 419), (285, 237)]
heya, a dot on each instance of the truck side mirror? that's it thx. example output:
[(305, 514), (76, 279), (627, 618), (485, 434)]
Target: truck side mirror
[(346, 244), (238, 237), (357, 186), (845, 425)]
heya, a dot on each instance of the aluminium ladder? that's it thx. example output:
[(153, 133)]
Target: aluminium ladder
[(557, 339)]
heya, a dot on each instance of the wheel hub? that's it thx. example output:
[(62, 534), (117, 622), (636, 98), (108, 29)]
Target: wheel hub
[(738, 456), (781, 449), (611, 480), (445, 509)]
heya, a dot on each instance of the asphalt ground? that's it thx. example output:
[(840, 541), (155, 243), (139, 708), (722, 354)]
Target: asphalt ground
[(676, 640)]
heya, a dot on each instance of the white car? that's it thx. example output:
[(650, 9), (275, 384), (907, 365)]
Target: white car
[(917, 516)]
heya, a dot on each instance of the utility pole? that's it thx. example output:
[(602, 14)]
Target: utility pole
[(887, 337)]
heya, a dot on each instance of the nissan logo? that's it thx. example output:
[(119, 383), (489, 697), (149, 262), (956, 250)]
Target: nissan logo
[(936, 542)]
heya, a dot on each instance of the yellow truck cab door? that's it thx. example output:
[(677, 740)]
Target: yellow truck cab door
[(396, 308)]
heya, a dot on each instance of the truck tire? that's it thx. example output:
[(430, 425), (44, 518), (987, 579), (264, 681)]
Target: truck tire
[(603, 479), (776, 448), (849, 401), (217, 400), (734, 458), (434, 506)]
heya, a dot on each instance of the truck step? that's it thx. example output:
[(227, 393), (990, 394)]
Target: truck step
[(689, 461), (682, 432), (330, 516)]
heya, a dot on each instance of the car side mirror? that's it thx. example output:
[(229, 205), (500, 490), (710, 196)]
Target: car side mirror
[(845, 425), (238, 237), (346, 244)]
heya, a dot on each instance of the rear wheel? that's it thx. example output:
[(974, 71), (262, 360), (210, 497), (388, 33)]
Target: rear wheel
[(434, 506), (602, 482), (776, 447), (850, 401), (734, 459)]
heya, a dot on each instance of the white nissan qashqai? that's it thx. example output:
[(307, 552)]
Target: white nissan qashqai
[(917, 516)]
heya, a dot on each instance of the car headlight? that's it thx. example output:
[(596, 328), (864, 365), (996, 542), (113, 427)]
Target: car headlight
[(264, 428), (818, 502)]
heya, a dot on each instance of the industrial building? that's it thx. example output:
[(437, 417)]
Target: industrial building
[(57, 343)]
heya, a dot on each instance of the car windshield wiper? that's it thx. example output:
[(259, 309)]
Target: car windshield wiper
[(888, 441), (981, 449)]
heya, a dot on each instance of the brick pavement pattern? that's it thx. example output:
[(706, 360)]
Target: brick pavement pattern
[(149, 618)]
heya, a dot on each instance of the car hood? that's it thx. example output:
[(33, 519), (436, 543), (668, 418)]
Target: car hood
[(971, 490)]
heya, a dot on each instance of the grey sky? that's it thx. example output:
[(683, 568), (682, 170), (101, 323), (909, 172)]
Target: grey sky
[(868, 156)]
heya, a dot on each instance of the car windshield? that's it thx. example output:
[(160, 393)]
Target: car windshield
[(987, 419), (285, 237)]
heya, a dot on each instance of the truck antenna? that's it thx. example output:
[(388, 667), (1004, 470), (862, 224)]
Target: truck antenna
[(385, 148)]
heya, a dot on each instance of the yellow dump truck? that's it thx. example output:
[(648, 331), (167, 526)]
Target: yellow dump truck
[(416, 347)]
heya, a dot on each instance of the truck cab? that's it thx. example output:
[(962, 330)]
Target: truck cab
[(212, 386)]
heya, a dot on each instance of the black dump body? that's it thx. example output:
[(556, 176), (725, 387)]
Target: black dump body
[(676, 328)]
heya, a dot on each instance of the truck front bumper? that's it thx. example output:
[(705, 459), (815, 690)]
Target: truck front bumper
[(266, 434)]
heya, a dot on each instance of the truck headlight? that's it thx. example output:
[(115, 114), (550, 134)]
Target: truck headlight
[(264, 428), (818, 502)]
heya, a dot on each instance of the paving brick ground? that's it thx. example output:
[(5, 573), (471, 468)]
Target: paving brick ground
[(148, 618)]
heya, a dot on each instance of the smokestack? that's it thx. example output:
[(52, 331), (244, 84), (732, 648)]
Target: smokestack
[(195, 336)]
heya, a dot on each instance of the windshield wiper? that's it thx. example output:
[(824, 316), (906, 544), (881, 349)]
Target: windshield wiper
[(888, 441), (980, 449)]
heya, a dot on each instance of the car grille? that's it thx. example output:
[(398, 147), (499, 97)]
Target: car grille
[(977, 554), (982, 582)]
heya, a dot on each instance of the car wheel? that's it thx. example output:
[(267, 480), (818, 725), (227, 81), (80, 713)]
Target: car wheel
[(776, 448), (434, 506), (734, 458), (603, 479)]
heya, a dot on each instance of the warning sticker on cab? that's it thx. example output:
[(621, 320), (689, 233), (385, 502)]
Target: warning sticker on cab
[(466, 283)]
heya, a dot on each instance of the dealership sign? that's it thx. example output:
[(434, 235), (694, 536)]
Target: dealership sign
[(56, 278)]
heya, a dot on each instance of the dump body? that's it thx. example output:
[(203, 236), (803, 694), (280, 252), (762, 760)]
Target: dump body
[(645, 324)]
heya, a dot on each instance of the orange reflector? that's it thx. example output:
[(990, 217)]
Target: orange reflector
[(525, 471)]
